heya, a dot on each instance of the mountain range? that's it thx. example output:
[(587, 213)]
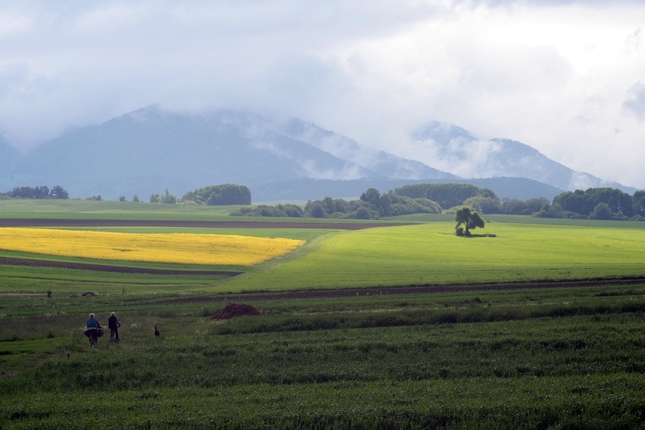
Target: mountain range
[(8, 156), (457, 150), (149, 150)]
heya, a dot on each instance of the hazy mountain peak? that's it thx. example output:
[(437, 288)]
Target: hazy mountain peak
[(517, 148), (150, 149), (386, 164), (144, 114), (454, 149), (441, 132)]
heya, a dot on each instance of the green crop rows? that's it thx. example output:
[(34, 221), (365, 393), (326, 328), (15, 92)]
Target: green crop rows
[(556, 357)]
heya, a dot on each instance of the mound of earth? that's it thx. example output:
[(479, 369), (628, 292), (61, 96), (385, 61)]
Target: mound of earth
[(233, 310), (88, 294)]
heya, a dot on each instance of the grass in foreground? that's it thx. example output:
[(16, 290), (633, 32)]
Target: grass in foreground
[(574, 370)]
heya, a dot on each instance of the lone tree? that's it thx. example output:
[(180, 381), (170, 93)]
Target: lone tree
[(469, 218)]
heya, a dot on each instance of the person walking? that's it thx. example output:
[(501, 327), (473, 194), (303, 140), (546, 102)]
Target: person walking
[(114, 324), (92, 329)]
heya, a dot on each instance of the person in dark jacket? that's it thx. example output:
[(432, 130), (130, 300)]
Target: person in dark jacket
[(114, 324), (92, 330)]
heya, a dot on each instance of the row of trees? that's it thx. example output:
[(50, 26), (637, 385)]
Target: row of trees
[(600, 203), (226, 194), (446, 195), (214, 195), (593, 203), (163, 198), (42, 192), (482, 200), (371, 205)]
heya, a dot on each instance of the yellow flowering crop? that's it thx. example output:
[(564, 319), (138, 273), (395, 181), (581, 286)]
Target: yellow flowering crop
[(210, 249)]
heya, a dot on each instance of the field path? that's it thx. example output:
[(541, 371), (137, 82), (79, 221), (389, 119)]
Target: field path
[(42, 222), (422, 289), (114, 269)]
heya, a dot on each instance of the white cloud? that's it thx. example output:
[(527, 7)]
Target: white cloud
[(557, 75), (636, 100)]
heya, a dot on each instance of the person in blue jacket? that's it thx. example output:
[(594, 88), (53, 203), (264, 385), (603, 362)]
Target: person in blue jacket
[(92, 331)]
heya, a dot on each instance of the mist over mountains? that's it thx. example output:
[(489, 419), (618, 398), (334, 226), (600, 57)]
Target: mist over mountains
[(456, 150), (8, 156), (149, 150)]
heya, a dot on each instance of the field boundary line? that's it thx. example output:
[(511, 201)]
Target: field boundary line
[(10, 261), (420, 289), (43, 222)]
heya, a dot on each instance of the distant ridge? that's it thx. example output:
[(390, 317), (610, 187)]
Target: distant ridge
[(8, 157), (150, 150), (455, 149), (384, 163), (311, 189)]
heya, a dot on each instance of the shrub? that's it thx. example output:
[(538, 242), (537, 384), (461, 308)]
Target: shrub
[(362, 213), (220, 195)]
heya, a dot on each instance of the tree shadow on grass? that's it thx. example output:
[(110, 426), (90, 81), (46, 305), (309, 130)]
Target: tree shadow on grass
[(479, 235)]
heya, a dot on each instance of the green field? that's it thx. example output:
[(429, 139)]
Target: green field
[(565, 357), (431, 254), (99, 210)]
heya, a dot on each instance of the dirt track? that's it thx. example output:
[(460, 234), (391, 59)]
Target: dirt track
[(19, 222), (422, 289), (114, 269)]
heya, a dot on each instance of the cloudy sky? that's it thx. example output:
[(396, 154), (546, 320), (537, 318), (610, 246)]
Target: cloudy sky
[(566, 77)]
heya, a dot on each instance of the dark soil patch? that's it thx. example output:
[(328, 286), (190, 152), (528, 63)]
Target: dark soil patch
[(114, 269), (233, 310), (9, 374), (421, 289), (17, 222)]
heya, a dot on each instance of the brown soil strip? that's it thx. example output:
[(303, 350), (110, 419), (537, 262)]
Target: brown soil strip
[(422, 289), (19, 222), (114, 269), (10, 374)]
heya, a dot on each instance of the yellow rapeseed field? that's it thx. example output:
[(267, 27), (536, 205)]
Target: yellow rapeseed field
[(210, 249)]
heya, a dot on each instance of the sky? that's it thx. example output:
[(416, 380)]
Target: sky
[(566, 77)]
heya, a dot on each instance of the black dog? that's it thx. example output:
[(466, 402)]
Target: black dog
[(157, 334)]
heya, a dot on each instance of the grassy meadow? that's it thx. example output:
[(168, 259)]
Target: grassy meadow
[(431, 254), (566, 357)]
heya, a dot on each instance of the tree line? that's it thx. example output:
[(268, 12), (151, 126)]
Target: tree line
[(597, 203), (212, 195), (371, 205), (446, 195), (41, 192), (593, 203)]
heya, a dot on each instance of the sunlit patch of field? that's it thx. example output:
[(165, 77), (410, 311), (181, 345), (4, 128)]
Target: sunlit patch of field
[(181, 248), (432, 254)]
